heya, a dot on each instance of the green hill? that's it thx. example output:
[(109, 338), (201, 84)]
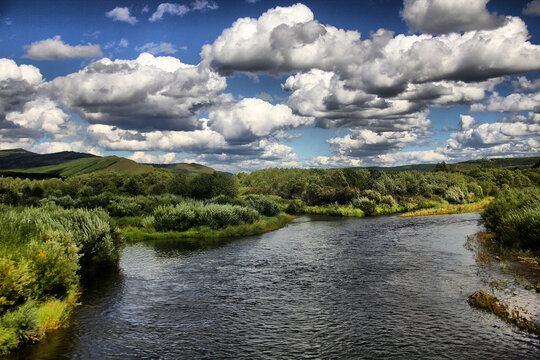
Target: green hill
[(504, 163), (20, 162), (20, 158), (189, 169)]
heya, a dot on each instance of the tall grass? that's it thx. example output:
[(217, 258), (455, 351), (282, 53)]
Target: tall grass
[(514, 216), (195, 214), (41, 252)]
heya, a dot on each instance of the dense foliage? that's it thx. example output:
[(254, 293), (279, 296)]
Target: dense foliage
[(194, 214), (66, 223), (41, 253), (514, 216)]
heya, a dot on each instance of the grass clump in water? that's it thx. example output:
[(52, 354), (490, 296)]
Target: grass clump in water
[(484, 301)]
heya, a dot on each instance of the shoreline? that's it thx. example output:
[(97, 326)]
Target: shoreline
[(450, 209), (261, 226)]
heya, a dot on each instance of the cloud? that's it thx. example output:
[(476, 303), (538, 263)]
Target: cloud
[(122, 43), (513, 102), (288, 39), (524, 84), (248, 119), (121, 14), (43, 115), (252, 1), (142, 157), (161, 48), (197, 141), (532, 8), (168, 8), (55, 49), (204, 5), (323, 95), (148, 93), (364, 142), (506, 137), (442, 16)]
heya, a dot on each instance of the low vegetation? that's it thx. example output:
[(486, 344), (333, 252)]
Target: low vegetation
[(514, 217), (52, 229), (41, 256), (484, 301)]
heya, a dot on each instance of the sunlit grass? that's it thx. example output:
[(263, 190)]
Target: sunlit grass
[(484, 301), (263, 225), (448, 209)]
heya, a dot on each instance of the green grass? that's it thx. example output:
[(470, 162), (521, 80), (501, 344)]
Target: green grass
[(332, 210), (484, 301), (89, 165), (446, 209), (189, 169), (263, 225)]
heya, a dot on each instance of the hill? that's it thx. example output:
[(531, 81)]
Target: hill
[(189, 169), (23, 163), (13, 159), (503, 163)]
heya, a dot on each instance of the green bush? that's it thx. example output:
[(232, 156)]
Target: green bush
[(369, 207), (22, 322), (389, 200), (215, 216), (295, 207), (263, 205), (455, 195), (372, 195), (41, 250), (514, 216)]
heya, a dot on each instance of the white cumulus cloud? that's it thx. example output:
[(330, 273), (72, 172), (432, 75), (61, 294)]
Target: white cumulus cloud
[(532, 8), (121, 14), (56, 49), (443, 16)]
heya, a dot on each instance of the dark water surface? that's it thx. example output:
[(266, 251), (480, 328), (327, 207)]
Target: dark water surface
[(355, 288)]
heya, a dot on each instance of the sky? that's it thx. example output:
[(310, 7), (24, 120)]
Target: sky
[(249, 84)]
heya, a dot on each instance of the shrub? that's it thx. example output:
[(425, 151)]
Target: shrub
[(263, 205), (372, 195), (55, 264), (22, 322), (369, 207), (176, 218), (224, 199), (514, 216), (16, 282), (389, 200), (295, 207), (185, 216), (455, 195)]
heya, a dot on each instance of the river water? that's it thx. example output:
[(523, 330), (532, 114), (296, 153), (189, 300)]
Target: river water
[(353, 288)]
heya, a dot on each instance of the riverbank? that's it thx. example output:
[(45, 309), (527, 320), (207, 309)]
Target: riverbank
[(134, 233), (44, 251), (449, 209)]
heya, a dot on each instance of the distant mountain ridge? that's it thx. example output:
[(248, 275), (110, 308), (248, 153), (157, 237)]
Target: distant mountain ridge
[(504, 163), (20, 162)]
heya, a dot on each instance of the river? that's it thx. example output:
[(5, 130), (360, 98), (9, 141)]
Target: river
[(332, 288)]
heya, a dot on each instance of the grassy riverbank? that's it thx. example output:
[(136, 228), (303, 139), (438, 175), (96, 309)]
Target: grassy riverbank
[(42, 255), (135, 229), (447, 209)]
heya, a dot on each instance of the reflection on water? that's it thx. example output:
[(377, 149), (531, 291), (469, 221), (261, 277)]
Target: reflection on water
[(361, 288)]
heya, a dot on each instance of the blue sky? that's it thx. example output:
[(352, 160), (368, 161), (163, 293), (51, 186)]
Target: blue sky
[(241, 85)]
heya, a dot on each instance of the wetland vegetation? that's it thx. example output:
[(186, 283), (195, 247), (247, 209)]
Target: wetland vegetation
[(53, 229)]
